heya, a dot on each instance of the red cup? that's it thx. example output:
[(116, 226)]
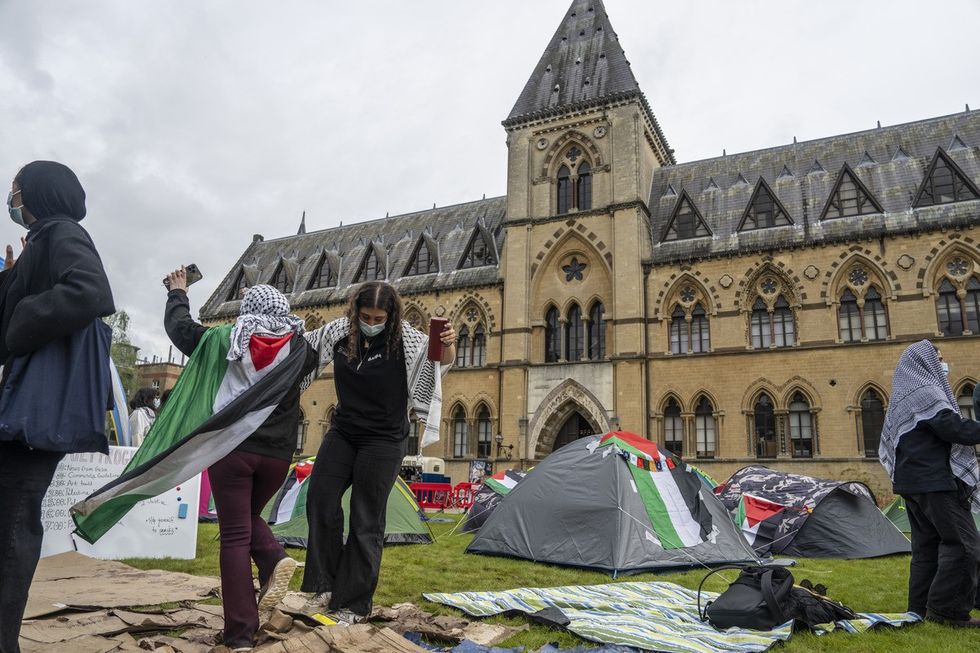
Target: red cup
[(436, 326)]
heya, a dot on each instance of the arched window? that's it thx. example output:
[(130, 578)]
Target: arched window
[(782, 324), (459, 433), (564, 189), (423, 262), (583, 187), (971, 304), (704, 425), (766, 444), (700, 338), (801, 427), (463, 347), (872, 418), (552, 337), (761, 331), (574, 335), (875, 322), (673, 428), (948, 310), (479, 346), (328, 420), (597, 332), (848, 318), (484, 438), (678, 331), (301, 431)]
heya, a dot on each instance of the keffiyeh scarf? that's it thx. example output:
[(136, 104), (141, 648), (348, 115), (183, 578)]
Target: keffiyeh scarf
[(264, 311), (920, 390), (424, 376)]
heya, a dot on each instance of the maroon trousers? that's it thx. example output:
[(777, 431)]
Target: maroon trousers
[(242, 483)]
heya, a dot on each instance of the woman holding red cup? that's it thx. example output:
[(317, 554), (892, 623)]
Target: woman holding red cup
[(383, 367)]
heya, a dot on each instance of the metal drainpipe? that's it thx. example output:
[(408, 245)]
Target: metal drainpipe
[(646, 353)]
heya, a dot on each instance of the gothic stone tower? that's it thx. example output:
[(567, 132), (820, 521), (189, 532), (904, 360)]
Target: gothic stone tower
[(583, 145)]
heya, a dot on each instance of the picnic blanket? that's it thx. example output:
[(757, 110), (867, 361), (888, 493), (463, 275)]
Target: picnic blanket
[(657, 616)]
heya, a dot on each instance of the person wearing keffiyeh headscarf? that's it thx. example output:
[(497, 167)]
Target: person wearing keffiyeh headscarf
[(927, 449), (243, 481)]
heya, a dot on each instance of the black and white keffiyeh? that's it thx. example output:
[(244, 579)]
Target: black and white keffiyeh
[(424, 376), (264, 311), (920, 390)]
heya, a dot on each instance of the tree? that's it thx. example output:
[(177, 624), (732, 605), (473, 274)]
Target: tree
[(123, 352)]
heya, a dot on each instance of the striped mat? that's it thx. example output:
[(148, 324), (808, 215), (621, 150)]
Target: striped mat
[(656, 616)]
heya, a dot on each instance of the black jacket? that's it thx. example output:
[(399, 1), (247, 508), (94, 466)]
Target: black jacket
[(922, 455), (277, 437), (57, 287)]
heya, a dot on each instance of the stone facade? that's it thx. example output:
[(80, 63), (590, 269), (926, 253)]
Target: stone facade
[(740, 309)]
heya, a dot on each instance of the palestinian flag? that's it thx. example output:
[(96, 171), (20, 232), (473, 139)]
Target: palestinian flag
[(503, 482), (282, 506), (759, 520), (214, 407), (670, 491)]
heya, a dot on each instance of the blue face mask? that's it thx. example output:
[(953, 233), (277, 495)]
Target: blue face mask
[(945, 367), (16, 213), (371, 330)]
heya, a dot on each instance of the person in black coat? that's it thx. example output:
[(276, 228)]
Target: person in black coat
[(57, 287)]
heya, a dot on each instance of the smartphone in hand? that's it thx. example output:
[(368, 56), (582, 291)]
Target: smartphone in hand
[(193, 275)]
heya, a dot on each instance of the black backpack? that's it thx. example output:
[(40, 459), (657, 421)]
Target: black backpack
[(762, 598)]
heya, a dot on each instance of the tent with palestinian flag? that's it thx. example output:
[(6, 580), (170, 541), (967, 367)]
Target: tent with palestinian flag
[(618, 503), (797, 515), (486, 499), (214, 407), (404, 521)]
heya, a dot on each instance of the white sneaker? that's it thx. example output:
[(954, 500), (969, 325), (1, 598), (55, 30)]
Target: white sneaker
[(318, 601), (274, 590)]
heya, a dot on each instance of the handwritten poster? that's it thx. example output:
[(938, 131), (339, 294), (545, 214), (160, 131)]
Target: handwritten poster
[(162, 527)]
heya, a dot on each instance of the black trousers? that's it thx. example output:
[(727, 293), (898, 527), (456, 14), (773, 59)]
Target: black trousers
[(945, 549), (25, 475), (369, 466)]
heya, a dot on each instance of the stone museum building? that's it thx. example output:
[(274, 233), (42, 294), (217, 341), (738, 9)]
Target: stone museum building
[(743, 309)]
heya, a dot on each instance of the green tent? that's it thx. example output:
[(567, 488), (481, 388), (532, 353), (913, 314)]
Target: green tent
[(404, 523), (898, 516)]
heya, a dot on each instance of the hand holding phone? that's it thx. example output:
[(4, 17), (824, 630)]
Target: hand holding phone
[(181, 278), (436, 325)]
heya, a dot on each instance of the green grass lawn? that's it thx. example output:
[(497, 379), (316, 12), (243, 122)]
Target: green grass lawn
[(877, 585)]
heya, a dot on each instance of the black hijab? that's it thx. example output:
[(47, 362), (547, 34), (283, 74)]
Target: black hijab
[(48, 188)]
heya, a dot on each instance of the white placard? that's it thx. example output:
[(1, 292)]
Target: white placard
[(155, 528)]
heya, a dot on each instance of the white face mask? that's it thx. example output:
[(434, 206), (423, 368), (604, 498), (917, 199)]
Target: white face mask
[(156, 403), (945, 367), (371, 330)]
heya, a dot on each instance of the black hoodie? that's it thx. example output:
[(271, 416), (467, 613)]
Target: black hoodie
[(58, 284)]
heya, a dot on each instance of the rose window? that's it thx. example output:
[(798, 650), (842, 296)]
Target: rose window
[(958, 267), (858, 277), (769, 286)]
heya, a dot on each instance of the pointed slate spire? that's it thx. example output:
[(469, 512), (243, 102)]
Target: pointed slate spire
[(302, 225), (584, 48), (957, 143)]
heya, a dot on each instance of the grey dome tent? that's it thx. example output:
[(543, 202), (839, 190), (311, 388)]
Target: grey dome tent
[(487, 498), (800, 515), (617, 503)]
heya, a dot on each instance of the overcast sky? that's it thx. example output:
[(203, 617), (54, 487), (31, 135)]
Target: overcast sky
[(193, 124)]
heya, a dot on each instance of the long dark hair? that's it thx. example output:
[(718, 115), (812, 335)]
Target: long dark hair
[(144, 398), (375, 294)]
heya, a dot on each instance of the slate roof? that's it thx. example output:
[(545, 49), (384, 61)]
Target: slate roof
[(890, 161), (446, 229)]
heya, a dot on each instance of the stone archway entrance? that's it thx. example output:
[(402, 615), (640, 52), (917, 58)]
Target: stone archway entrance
[(575, 427)]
